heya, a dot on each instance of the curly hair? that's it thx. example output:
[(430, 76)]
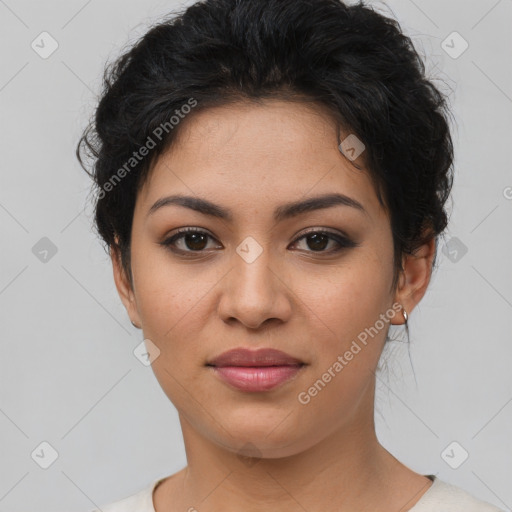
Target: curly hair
[(350, 59)]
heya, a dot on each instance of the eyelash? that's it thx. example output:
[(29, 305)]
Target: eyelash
[(344, 242)]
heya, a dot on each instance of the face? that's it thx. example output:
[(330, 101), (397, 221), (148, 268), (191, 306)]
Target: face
[(307, 281)]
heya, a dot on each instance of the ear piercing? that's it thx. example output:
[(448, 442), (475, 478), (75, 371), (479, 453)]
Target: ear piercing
[(406, 316)]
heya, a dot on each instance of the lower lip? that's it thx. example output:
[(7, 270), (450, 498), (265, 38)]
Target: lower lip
[(261, 378)]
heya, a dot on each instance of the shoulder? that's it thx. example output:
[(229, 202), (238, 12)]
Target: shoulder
[(451, 499), (142, 501)]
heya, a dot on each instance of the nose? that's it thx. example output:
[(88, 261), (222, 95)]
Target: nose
[(255, 293)]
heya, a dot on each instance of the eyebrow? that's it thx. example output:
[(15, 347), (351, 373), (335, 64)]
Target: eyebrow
[(283, 212)]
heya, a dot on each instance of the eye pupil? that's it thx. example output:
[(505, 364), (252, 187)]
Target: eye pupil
[(195, 237), (316, 244)]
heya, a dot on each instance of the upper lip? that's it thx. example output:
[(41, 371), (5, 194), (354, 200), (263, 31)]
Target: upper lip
[(260, 357)]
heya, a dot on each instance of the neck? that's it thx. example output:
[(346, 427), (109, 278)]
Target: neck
[(348, 469)]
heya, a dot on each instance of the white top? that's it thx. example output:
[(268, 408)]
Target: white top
[(440, 496)]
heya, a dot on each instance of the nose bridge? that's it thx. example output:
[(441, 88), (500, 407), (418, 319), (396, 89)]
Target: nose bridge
[(252, 273), (253, 293)]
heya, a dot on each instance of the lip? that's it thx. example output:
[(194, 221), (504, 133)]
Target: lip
[(255, 370), (260, 357)]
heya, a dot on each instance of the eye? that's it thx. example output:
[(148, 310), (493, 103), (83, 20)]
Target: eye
[(318, 240), (192, 240), (195, 240)]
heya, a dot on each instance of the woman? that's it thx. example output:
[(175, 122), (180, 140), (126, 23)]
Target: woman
[(272, 178)]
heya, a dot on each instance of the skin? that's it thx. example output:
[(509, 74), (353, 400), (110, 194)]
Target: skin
[(296, 296)]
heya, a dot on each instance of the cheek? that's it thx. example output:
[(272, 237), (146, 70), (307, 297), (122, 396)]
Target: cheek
[(347, 311), (173, 303), (162, 295), (349, 298)]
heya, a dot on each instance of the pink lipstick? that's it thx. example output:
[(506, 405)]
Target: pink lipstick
[(255, 371)]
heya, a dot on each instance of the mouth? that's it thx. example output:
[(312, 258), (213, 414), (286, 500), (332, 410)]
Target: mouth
[(255, 371)]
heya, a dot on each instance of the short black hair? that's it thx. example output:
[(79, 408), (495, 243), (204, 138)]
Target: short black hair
[(348, 58)]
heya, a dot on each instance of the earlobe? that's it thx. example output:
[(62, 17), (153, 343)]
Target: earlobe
[(124, 287), (415, 277)]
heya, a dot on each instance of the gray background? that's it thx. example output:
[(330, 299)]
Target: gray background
[(68, 375)]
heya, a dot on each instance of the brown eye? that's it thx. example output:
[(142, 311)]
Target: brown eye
[(318, 241), (195, 241), (192, 240), (188, 241)]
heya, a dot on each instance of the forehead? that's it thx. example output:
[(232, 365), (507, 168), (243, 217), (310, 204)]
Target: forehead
[(261, 154)]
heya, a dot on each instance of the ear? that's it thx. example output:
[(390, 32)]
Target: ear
[(124, 287), (414, 278)]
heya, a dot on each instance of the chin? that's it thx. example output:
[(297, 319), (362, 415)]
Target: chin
[(258, 434)]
